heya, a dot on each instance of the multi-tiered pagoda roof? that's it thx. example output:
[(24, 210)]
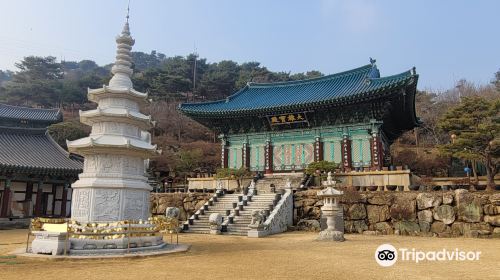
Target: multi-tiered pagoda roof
[(118, 103)]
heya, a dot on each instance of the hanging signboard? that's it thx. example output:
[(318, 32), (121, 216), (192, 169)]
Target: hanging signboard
[(287, 118)]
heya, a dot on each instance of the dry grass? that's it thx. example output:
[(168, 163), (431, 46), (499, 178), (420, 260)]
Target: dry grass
[(294, 255)]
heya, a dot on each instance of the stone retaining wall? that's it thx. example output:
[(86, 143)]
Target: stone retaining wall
[(442, 214), (188, 203)]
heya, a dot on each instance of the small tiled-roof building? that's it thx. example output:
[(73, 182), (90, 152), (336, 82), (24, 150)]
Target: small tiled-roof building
[(35, 172), (350, 118)]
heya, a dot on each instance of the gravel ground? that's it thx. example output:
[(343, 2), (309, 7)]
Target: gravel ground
[(294, 255)]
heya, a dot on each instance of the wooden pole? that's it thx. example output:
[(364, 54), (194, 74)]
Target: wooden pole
[(28, 239), (128, 237), (67, 239)]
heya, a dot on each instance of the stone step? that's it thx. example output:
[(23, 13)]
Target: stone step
[(242, 231), (195, 226), (261, 205), (220, 211), (241, 221), (202, 218), (251, 209), (199, 222), (207, 230), (238, 227), (236, 233), (198, 232)]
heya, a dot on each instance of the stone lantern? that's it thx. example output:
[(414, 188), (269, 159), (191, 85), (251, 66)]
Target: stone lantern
[(330, 210)]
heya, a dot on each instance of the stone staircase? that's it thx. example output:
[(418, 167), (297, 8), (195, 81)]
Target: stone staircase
[(244, 217), (236, 210)]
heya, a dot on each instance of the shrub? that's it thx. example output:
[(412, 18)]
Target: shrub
[(323, 166)]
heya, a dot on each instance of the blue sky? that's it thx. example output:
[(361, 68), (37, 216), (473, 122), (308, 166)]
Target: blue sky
[(444, 40)]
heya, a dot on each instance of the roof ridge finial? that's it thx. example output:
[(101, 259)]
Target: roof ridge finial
[(372, 61)]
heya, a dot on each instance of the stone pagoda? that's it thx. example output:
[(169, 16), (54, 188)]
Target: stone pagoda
[(112, 186)]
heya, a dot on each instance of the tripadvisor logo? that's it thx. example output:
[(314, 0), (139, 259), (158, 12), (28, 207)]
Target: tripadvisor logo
[(387, 255)]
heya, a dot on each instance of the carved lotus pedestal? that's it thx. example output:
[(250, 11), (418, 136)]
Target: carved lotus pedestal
[(331, 235)]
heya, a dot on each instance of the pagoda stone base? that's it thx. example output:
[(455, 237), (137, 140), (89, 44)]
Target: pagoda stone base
[(114, 246), (109, 204)]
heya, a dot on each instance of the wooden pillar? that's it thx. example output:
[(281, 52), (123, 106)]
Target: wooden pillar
[(318, 149), (54, 192), (28, 197), (269, 157), (29, 191), (346, 153), (38, 204), (377, 152), (7, 195), (245, 156), (224, 154)]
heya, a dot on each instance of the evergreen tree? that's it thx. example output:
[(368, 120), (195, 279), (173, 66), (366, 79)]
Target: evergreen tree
[(474, 126)]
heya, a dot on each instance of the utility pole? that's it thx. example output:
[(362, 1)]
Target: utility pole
[(194, 71)]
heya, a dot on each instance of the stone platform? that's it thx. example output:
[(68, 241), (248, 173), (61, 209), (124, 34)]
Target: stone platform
[(165, 249)]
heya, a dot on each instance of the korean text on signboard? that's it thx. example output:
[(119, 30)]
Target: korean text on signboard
[(287, 118)]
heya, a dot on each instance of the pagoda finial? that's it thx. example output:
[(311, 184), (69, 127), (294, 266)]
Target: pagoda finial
[(128, 10), (122, 70)]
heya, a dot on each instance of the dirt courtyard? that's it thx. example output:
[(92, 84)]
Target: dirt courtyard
[(293, 255)]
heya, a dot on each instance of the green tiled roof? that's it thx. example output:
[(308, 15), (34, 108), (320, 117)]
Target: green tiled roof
[(345, 87)]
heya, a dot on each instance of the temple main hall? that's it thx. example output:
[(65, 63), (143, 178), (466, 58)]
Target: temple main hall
[(350, 118)]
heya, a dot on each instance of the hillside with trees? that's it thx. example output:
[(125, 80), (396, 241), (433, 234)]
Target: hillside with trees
[(187, 146)]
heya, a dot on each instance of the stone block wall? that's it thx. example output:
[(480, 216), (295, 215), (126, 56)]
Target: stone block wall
[(187, 203), (442, 214)]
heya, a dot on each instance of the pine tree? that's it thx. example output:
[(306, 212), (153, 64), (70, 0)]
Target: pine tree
[(474, 125)]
